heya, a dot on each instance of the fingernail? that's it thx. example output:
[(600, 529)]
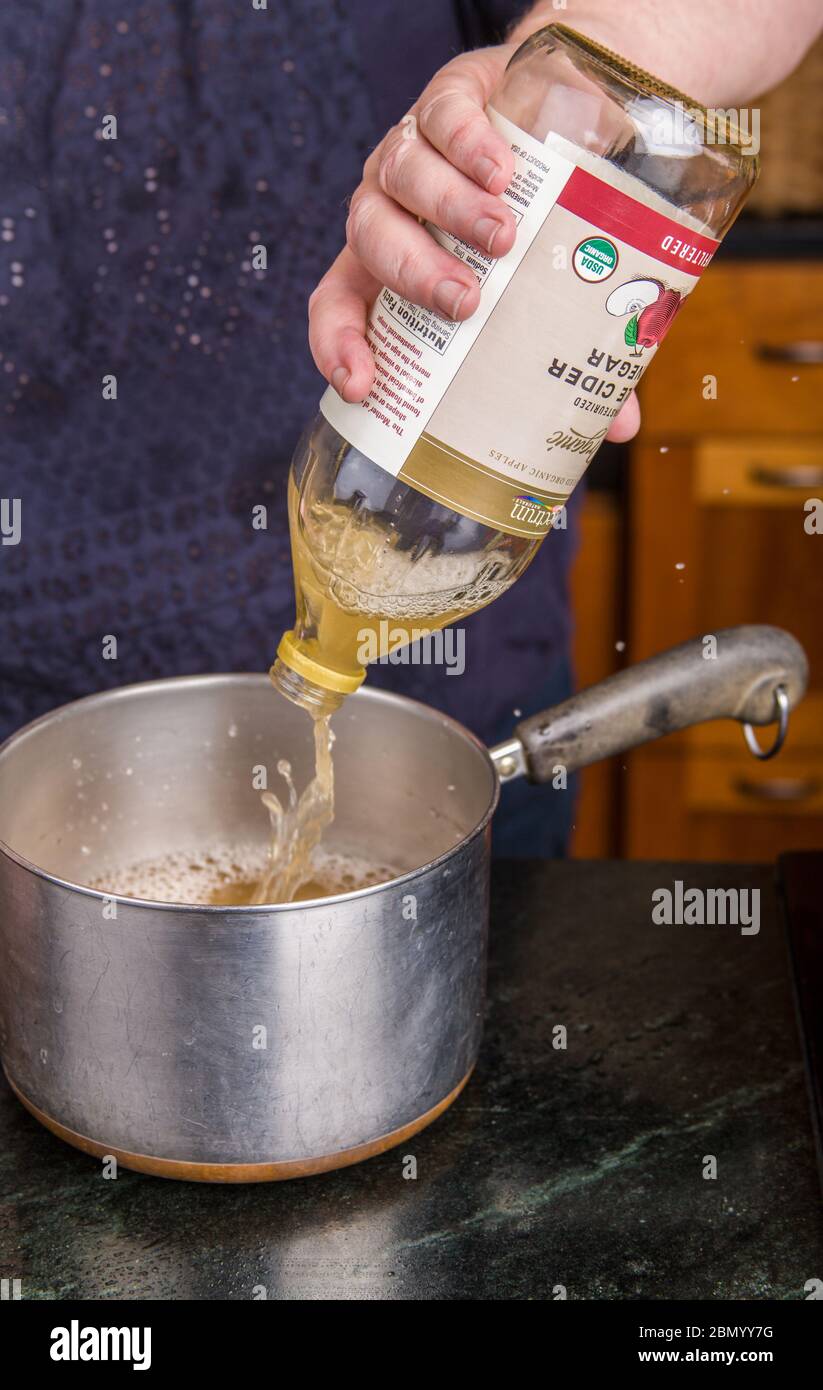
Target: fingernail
[(449, 295), (339, 377), (486, 170), (485, 231)]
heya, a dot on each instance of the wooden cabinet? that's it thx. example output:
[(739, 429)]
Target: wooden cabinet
[(757, 328), (723, 486)]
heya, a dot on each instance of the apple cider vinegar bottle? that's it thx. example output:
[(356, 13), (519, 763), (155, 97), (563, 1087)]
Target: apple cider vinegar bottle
[(426, 501)]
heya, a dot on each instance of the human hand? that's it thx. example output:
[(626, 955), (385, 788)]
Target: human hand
[(447, 164)]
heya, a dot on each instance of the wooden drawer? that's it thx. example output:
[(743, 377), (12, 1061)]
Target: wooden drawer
[(713, 547), (757, 328), (789, 786), (674, 807), (759, 473), (702, 795)]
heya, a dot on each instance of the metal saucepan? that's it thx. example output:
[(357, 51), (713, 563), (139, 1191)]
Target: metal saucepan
[(141, 1036)]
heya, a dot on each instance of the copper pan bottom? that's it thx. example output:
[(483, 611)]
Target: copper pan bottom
[(239, 1172)]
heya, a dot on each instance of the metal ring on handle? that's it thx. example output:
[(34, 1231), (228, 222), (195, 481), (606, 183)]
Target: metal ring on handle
[(781, 700)]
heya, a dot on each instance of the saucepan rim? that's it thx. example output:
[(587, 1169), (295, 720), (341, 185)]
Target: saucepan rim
[(245, 911)]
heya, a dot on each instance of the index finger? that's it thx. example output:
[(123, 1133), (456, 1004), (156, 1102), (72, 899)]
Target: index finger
[(451, 115)]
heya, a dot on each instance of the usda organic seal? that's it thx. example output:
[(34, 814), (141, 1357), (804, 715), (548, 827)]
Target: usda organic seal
[(595, 258)]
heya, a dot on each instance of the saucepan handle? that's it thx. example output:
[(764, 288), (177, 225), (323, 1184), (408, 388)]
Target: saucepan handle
[(755, 674)]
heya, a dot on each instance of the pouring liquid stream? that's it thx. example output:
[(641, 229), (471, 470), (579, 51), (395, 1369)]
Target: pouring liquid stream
[(349, 589), (357, 593), (298, 825), (297, 865), (366, 592)]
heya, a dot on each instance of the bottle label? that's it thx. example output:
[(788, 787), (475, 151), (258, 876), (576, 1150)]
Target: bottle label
[(499, 416)]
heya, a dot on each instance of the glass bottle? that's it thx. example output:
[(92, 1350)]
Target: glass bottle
[(424, 503)]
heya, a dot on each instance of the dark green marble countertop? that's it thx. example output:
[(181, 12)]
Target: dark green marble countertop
[(580, 1168)]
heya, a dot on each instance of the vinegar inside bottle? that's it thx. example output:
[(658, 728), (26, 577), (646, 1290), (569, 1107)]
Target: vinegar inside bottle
[(377, 564)]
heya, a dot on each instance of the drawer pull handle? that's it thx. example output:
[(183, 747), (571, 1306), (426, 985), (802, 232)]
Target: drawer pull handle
[(799, 476), (780, 789), (800, 354)]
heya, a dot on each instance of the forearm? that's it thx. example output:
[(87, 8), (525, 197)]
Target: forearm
[(721, 52)]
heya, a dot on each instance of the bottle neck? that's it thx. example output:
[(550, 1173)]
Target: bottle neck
[(316, 686), (316, 699)]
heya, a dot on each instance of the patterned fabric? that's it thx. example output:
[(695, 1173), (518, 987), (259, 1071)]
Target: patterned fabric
[(130, 257)]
